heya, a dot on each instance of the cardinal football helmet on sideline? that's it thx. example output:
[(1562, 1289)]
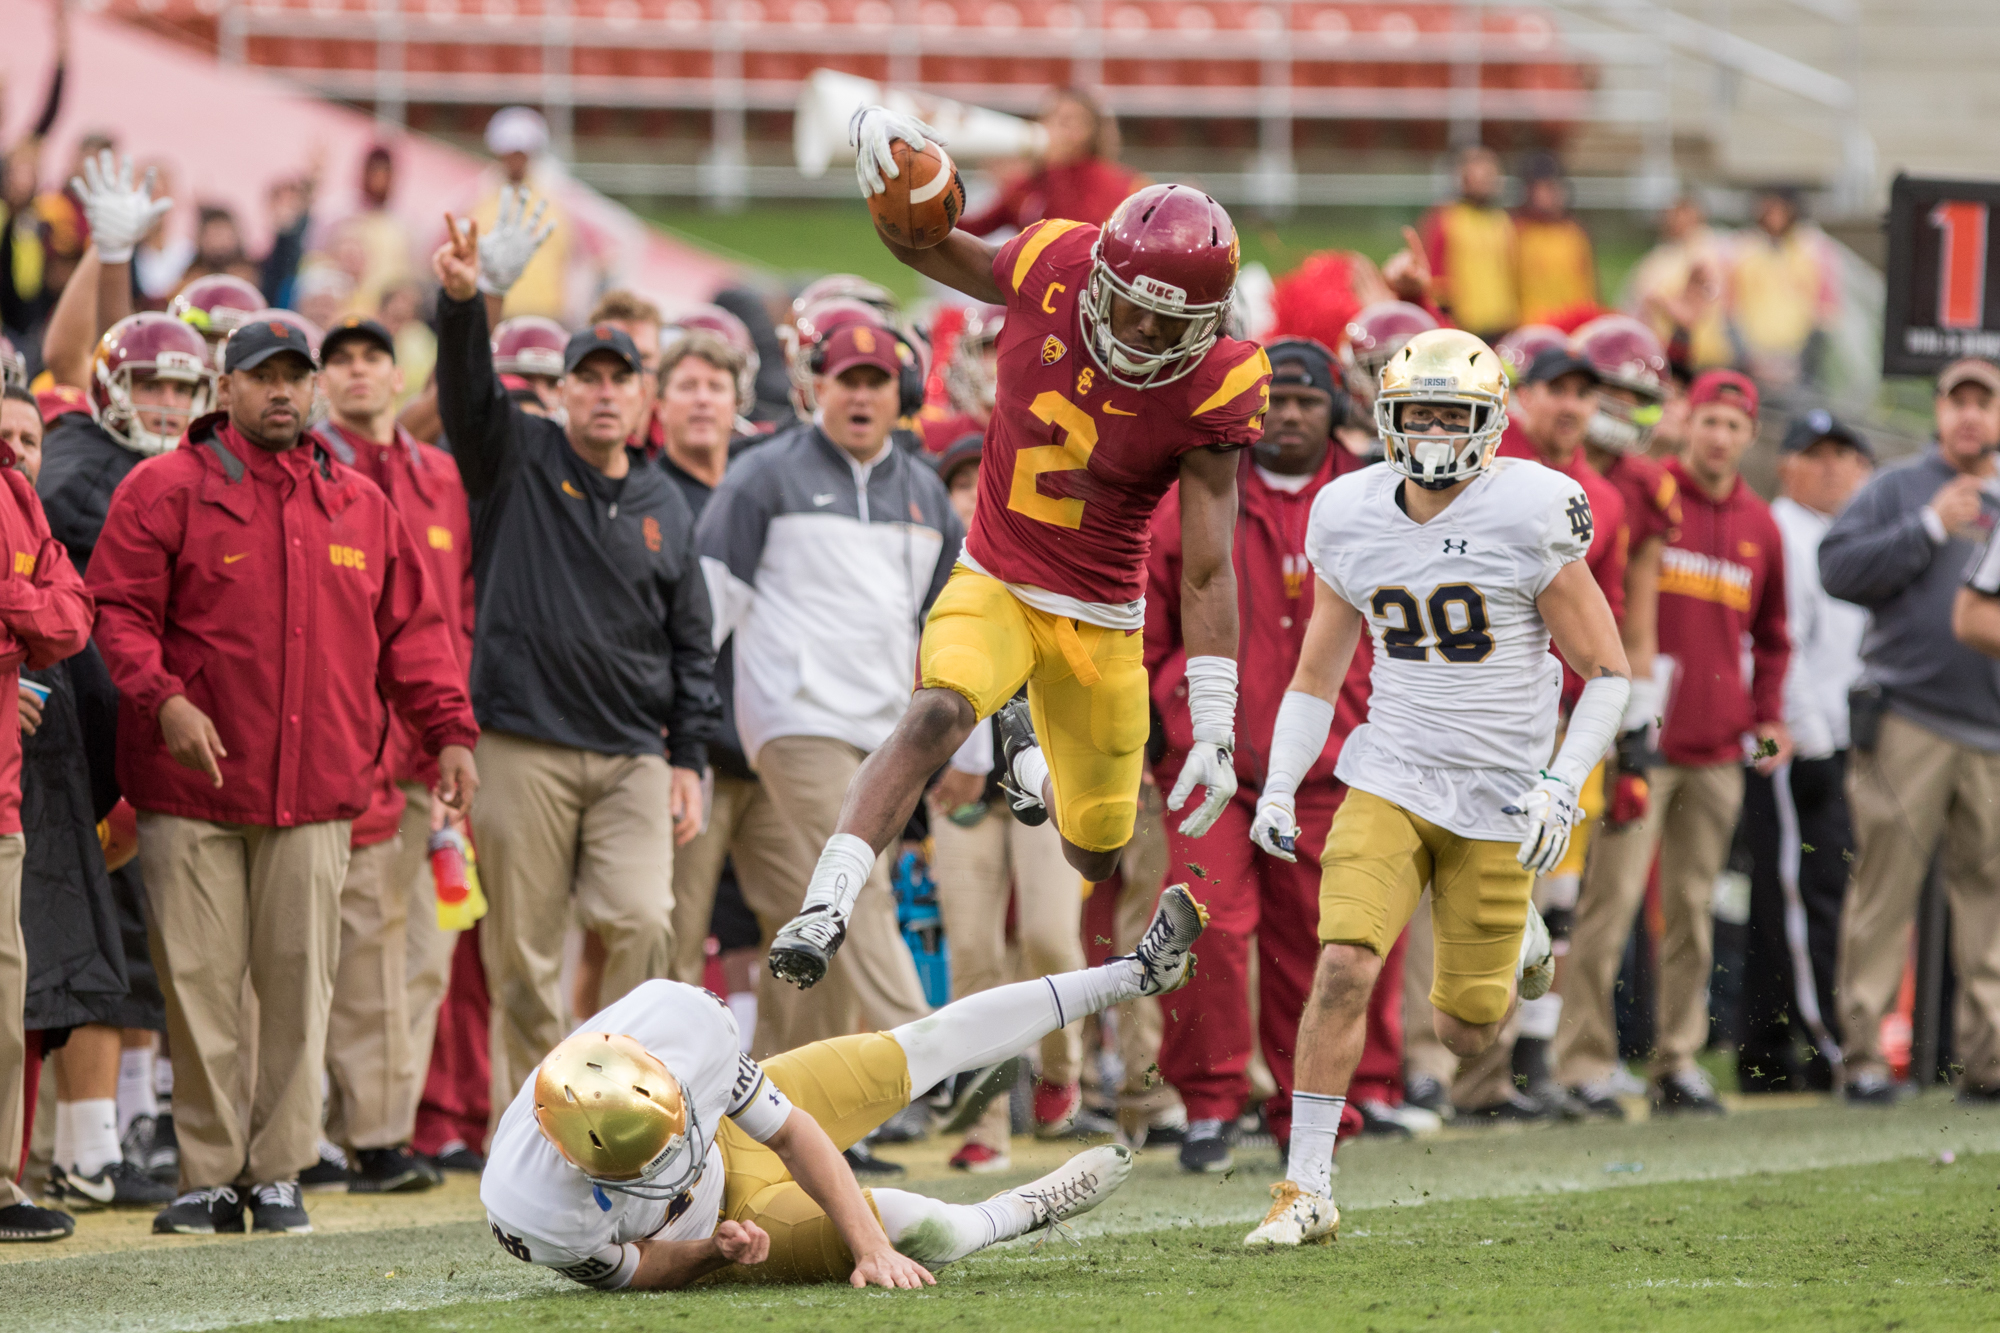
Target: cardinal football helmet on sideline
[(215, 305), (13, 366), (725, 325), (1172, 250), (1519, 348), (1633, 367), (148, 346), (617, 1114), (1376, 333), (1447, 366), (529, 345), (969, 379)]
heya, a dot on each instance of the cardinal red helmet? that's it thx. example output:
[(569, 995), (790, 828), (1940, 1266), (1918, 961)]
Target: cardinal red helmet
[(1628, 357), (726, 326), (848, 287), (148, 346), (529, 345), (811, 326), (1519, 349), (13, 366), (216, 304), (1379, 331), (968, 377), (1172, 250)]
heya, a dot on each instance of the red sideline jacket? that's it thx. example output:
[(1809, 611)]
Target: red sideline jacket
[(422, 482), (1610, 539), (1723, 577), (44, 617), (282, 594), (1274, 592)]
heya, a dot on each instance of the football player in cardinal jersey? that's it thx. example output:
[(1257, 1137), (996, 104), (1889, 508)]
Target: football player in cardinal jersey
[(1114, 382), (1460, 568)]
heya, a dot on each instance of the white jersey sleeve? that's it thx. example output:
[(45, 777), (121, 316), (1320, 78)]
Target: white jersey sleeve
[(1568, 526)]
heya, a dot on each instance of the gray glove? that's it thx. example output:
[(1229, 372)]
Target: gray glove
[(505, 250)]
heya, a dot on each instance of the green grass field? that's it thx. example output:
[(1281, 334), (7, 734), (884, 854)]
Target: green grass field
[(1793, 1213)]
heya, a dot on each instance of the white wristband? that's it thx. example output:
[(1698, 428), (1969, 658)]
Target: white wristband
[(1297, 738), (1642, 707), (1211, 685), (1592, 725)]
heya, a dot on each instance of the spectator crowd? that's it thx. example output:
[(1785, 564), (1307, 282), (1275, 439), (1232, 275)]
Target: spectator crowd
[(402, 675)]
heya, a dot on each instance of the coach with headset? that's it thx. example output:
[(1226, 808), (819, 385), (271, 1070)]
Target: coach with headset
[(824, 549)]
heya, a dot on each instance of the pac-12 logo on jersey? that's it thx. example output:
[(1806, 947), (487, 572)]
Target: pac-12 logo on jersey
[(1580, 523), (1053, 350)]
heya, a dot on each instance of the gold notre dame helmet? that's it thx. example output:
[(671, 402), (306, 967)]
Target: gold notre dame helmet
[(616, 1113), (1443, 366)]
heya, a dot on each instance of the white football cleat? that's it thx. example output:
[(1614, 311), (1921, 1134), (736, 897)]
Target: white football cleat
[(1164, 952), (1537, 969), (1075, 1187), (1296, 1218)]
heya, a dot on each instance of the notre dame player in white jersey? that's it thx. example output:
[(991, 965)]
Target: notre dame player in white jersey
[(647, 1152), (1462, 568)]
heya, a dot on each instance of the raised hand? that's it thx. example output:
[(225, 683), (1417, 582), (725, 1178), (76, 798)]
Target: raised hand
[(120, 213), (517, 233), (456, 262)]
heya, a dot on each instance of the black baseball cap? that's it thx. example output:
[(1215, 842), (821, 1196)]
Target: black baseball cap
[(601, 338), (1303, 363), (963, 452), (1552, 363), (255, 343), (1819, 424), (354, 326)]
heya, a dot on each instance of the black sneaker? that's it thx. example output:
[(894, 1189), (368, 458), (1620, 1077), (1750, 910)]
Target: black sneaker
[(1206, 1148), (1517, 1109), (1400, 1122), (1556, 1100), (1017, 733), (975, 1090), (1424, 1091), (328, 1173), (201, 1213), (865, 1163), (278, 1207), (1873, 1089), (1599, 1101), (151, 1145), (119, 1185), (26, 1222), (1686, 1093), (912, 1124), (387, 1171), (456, 1156)]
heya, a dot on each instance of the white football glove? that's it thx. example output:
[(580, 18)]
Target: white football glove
[(1276, 827), (872, 130), (119, 212), (1208, 765), (505, 250), (1551, 806)]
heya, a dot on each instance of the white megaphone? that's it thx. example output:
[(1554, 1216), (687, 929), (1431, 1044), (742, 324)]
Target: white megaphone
[(828, 100)]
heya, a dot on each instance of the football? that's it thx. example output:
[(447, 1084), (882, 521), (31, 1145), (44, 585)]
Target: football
[(923, 200)]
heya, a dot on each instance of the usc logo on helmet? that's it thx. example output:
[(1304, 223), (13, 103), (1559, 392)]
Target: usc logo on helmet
[(1053, 350)]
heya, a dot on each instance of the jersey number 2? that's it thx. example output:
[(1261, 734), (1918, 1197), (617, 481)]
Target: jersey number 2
[(1457, 620), (1079, 440)]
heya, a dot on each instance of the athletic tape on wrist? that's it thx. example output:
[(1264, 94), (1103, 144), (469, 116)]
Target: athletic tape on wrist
[(1211, 683)]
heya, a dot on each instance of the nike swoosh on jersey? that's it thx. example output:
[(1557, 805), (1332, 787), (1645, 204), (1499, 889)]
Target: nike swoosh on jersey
[(1109, 410), (232, 559)]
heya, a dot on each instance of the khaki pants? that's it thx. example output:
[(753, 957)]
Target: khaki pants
[(13, 1002), (745, 827), (873, 980), (232, 901), (979, 871), (550, 821), (1915, 789), (427, 950), (1690, 819), (372, 1099)]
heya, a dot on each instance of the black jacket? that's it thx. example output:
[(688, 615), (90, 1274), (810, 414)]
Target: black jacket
[(592, 627), (81, 466)]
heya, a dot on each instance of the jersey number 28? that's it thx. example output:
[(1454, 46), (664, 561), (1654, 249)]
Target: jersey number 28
[(1458, 623)]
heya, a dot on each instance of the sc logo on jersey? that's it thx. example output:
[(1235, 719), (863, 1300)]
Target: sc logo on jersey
[(1580, 523)]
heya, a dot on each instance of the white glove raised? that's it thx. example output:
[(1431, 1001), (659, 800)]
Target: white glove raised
[(119, 212), (1276, 827), (871, 131), (1208, 765), (1551, 806), (506, 248)]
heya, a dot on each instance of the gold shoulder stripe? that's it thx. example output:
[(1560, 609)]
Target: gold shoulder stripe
[(1040, 237), (1248, 372)]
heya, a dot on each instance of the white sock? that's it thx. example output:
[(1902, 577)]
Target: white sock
[(1031, 770), (997, 1024), (65, 1149), (1540, 1018), (743, 1004), (93, 1127), (1315, 1128), (844, 866), (934, 1232), (163, 1078), (135, 1087)]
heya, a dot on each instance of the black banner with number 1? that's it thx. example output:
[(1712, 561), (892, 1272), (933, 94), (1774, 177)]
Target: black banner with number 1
[(1944, 275)]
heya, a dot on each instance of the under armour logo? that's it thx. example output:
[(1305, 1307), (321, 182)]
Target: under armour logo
[(1454, 546), (1580, 525)]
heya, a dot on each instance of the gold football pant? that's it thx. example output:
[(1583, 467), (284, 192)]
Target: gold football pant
[(850, 1085)]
